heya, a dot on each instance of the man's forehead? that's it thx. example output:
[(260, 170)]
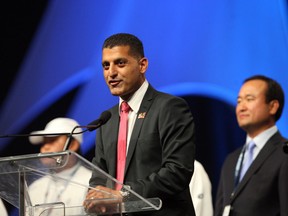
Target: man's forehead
[(111, 55), (115, 49), (253, 88)]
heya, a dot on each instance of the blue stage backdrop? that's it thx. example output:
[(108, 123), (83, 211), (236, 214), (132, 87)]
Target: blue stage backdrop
[(199, 50)]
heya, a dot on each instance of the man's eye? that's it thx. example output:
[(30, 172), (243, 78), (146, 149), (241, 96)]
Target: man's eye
[(121, 63), (250, 99), (105, 66)]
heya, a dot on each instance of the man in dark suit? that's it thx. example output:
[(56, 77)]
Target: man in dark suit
[(160, 141), (263, 189)]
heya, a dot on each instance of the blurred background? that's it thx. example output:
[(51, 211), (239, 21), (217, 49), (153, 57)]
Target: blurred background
[(200, 50)]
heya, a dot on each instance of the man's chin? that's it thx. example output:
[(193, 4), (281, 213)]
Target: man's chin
[(244, 126), (115, 92)]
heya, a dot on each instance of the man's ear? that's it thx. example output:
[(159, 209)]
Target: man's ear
[(143, 62), (74, 145), (273, 106)]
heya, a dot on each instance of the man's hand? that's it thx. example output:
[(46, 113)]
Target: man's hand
[(102, 199)]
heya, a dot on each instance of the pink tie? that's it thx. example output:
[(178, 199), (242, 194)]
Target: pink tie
[(122, 141)]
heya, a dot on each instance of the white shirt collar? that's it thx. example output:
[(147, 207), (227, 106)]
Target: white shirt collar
[(263, 137), (137, 97)]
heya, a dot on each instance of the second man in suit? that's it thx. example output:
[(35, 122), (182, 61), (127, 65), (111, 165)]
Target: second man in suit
[(262, 188)]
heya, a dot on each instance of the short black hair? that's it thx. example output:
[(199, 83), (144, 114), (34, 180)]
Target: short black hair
[(274, 92), (125, 39)]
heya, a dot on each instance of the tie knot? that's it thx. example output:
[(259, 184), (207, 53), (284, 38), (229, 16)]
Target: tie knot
[(124, 107), (251, 146)]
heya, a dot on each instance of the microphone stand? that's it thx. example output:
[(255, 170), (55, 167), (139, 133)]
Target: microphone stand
[(69, 136)]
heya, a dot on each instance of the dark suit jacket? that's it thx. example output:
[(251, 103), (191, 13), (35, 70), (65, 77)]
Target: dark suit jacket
[(160, 159), (264, 188)]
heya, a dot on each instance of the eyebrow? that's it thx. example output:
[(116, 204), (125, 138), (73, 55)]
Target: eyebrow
[(245, 96), (249, 95), (116, 60)]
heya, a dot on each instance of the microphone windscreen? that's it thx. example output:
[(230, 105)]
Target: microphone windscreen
[(105, 116)]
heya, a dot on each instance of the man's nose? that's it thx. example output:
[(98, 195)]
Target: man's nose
[(241, 106), (45, 147), (112, 70)]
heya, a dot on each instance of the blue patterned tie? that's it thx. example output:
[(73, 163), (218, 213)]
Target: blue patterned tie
[(249, 158)]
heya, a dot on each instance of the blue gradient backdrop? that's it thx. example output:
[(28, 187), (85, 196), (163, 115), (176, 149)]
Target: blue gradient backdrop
[(194, 47)]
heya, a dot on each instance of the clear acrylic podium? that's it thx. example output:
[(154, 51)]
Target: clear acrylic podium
[(57, 183)]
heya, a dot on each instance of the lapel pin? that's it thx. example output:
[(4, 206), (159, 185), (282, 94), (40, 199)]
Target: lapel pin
[(141, 115)]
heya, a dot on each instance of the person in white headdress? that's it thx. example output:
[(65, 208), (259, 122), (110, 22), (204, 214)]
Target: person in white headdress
[(50, 190)]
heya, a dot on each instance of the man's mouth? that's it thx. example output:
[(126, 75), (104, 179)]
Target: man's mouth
[(241, 116), (114, 83)]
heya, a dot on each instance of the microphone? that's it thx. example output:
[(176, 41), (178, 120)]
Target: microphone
[(104, 117)]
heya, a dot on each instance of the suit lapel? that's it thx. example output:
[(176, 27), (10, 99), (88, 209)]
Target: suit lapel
[(267, 150), (113, 137), (143, 111)]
